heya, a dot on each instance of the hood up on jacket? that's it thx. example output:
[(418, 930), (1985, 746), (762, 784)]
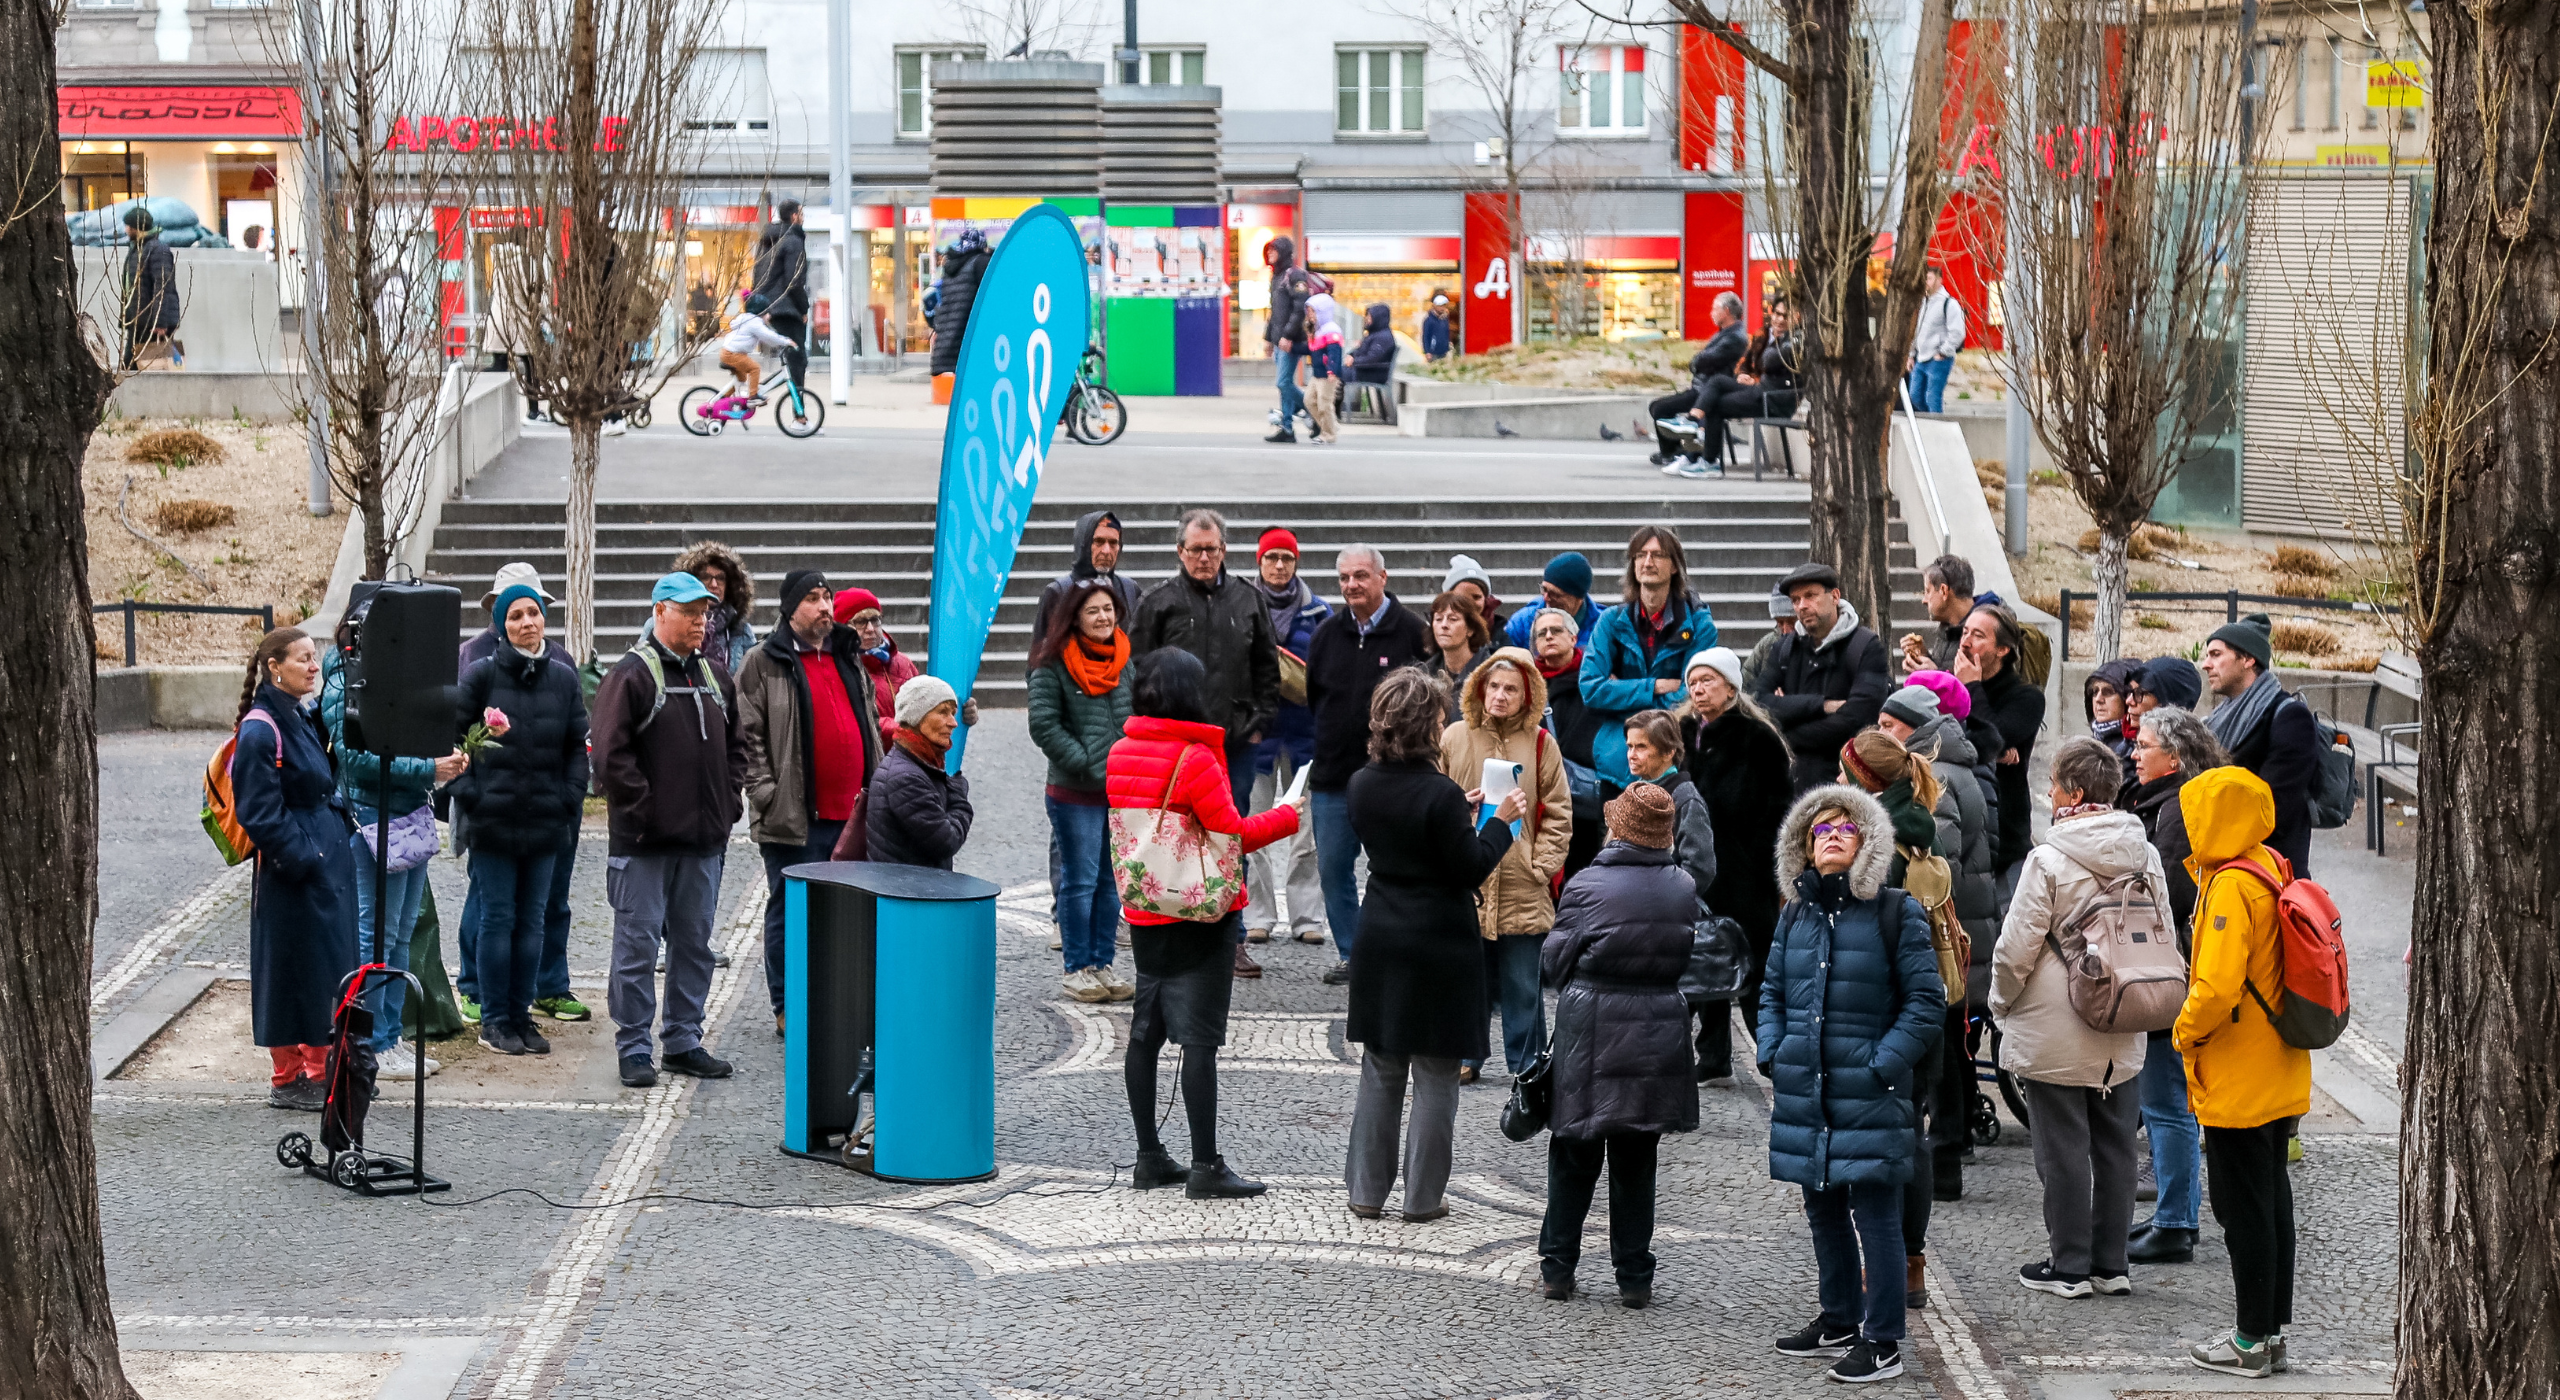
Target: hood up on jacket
[(1942, 741), (2119, 673), (2174, 679), (740, 598), (1086, 524), (2110, 845), (1875, 845), (1284, 254), (1471, 694), (1378, 314), (2230, 812)]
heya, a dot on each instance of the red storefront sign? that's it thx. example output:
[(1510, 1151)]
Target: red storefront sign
[(1487, 281), (496, 133), (1713, 257), (1711, 103), (179, 113)]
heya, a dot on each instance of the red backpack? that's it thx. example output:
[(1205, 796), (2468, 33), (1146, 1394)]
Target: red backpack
[(2311, 959)]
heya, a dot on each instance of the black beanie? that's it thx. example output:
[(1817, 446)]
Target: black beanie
[(2250, 634), (795, 586)]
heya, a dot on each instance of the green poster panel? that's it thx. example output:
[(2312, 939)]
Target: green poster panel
[(1138, 339)]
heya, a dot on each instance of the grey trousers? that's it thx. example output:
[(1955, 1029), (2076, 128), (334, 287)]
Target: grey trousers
[(1374, 1125), (2084, 1156), (654, 897)]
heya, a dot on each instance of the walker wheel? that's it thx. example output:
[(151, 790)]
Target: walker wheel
[(347, 1169), (1986, 1120), (294, 1150)]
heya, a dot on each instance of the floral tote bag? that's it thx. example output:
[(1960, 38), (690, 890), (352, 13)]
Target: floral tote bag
[(1168, 865)]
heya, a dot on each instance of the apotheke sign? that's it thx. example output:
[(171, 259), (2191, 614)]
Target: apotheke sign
[(494, 133)]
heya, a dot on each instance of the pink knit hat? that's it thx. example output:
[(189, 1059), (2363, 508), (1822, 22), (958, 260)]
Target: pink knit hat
[(1953, 698)]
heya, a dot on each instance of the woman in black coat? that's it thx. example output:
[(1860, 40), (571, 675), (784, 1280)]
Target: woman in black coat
[(917, 810), (518, 800), (302, 907), (1739, 762), (1622, 1070), (961, 269), (1418, 1002)]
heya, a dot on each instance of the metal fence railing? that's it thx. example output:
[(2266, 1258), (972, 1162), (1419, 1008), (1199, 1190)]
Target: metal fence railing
[(2230, 601), (264, 612)]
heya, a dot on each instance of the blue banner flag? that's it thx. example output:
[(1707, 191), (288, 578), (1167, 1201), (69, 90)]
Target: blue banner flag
[(1025, 339)]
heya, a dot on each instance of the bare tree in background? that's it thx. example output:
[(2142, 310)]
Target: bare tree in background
[(2126, 154), (374, 352), (1034, 28), (590, 159), (57, 1328)]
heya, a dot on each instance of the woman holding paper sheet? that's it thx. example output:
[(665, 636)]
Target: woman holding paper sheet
[(1498, 746)]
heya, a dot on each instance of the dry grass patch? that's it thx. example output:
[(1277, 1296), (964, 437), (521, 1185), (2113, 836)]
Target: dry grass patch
[(2148, 541), (2307, 638), (174, 447), (2294, 559), (186, 516)]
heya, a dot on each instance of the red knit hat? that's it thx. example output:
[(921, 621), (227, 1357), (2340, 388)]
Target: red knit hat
[(1275, 538), (853, 600)]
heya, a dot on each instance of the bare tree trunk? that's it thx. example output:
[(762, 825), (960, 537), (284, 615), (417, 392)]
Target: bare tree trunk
[(2107, 632), (2479, 1200), (57, 1332), (586, 450)]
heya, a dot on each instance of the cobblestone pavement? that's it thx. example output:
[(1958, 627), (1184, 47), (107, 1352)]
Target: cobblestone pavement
[(1054, 1281)]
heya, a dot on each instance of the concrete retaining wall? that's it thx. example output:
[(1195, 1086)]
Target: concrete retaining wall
[(227, 312), (167, 697), (1554, 418), (1435, 391), (262, 397)]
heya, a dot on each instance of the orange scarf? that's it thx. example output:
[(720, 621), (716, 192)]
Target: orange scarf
[(1095, 673)]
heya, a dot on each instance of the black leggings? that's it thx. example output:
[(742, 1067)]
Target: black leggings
[(2253, 1198), (1199, 1095), (794, 358)]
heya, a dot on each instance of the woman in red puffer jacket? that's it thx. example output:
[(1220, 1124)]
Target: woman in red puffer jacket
[(1173, 760)]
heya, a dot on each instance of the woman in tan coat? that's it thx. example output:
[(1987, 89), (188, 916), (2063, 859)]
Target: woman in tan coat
[(1501, 700)]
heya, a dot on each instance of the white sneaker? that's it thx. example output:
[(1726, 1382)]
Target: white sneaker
[(613, 427), (1057, 941), (401, 1062), (1119, 983), (1084, 984)]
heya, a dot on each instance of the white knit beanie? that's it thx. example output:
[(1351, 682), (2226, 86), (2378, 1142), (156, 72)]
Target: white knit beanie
[(921, 696), (1720, 660)]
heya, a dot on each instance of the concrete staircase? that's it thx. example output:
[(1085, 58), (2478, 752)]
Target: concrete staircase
[(1738, 547)]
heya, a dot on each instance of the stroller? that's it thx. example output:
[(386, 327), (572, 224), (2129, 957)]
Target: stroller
[(341, 1158)]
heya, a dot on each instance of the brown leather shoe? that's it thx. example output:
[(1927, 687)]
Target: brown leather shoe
[(1245, 965), (1915, 1282)]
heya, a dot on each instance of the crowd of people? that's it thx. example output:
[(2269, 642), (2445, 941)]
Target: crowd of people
[(1556, 799)]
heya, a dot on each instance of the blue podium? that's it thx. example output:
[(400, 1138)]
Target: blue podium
[(890, 995)]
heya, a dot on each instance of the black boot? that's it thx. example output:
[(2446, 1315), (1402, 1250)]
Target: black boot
[(1286, 434), (1215, 1180), (1948, 1179), (1156, 1168), (2160, 1244)]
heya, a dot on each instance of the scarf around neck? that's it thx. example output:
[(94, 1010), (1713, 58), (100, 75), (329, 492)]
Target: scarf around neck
[(920, 748), (1573, 664), (1095, 672), (1282, 603), (2236, 720)]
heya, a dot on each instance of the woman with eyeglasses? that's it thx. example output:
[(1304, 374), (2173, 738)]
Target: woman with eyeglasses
[(1849, 1008)]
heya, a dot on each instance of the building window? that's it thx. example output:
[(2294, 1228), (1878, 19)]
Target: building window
[(730, 92), (1378, 92), (915, 84), (1601, 91), (1170, 67)]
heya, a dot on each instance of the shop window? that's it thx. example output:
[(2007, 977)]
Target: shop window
[(1168, 67), (96, 174), (730, 92), (1601, 91), (1378, 92), (915, 84)]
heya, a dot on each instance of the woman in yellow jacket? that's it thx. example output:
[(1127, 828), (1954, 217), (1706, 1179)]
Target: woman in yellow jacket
[(1502, 700), (2244, 1082)]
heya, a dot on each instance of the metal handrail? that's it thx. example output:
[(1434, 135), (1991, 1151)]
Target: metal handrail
[(1928, 479), (2230, 600), (264, 611)]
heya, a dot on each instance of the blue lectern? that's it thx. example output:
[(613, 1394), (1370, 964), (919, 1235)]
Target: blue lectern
[(890, 994)]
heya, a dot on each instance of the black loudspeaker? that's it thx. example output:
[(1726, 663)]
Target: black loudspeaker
[(401, 695)]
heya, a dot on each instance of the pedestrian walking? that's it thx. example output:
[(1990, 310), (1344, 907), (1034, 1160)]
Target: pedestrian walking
[(1501, 706), (1097, 544), (302, 897), (858, 611), (2170, 746), (518, 797), (1418, 1004), (150, 307), (1372, 635), (963, 264), (1079, 694), (1565, 585), (1219, 619), (810, 745), (2245, 1083), (1946, 592), (1849, 1009), (668, 756), (1286, 331), (1459, 641), (1824, 681), (1738, 762), (1435, 329), (2014, 708), (2082, 1103), (1171, 760), (1622, 1071), (1934, 343), (1324, 366), (917, 811), (407, 819), (1574, 725), (1634, 658), (726, 637), (782, 279), (2267, 728), (1288, 745)]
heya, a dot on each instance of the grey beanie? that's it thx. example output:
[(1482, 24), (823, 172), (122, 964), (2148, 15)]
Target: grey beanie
[(1779, 606), (921, 696), (1914, 705), (1464, 569)]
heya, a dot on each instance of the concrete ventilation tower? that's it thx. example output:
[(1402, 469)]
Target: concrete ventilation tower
[(1013, 129), (1160, 144)]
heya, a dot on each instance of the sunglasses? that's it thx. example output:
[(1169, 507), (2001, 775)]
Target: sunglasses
[(1822, 829)]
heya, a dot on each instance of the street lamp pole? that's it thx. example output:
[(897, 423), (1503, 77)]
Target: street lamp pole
[(841, 304)]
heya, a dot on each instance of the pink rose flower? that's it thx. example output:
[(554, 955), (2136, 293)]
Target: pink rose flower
[(496, 719)]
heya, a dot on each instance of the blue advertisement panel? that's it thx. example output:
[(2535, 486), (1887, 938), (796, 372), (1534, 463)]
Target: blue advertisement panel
[(1026, 334)]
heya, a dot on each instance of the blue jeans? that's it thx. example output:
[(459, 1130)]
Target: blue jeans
[(821, 845), (512, 890), (1088, 895), (552, 979), (2176, 1153), (1286, 355), (403, 888), (1337, 867), (1929, 385), (1849, 1221), (1511, 970)]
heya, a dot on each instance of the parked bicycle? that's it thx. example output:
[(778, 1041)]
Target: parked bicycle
[(706, 411), (1093, 414)]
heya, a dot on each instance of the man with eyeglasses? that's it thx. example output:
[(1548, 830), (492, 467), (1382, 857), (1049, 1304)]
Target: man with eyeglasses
[(1221, 620)]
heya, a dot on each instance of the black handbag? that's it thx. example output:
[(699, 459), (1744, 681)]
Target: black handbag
[(1533, 1097), (1719, 961)]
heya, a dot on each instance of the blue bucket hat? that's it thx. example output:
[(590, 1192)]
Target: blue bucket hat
[(679, 587)]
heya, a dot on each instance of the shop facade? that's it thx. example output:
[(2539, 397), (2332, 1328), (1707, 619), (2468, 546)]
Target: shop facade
[(230, 152)]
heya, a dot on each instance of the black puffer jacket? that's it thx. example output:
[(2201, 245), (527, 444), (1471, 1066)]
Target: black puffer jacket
[(1846, 665), (917, 813), (782, 268), (1977, 870), (960, 274), (520, 794), (1621, 940), (1740, 767), (2016, 710), (1288, 295), (1228, 628)]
